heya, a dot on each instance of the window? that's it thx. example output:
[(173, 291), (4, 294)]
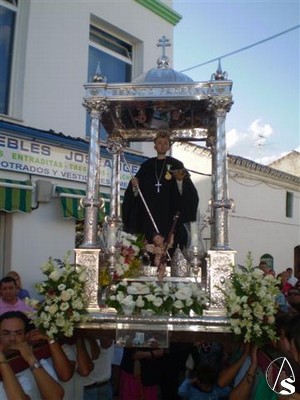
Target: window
[(115, 56), (7, 29), (289, 205), (110, 42)]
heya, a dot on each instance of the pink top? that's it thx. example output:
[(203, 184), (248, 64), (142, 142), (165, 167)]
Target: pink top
[(18, 306)]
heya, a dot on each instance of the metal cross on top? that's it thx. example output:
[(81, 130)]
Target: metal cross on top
[(163, 42)]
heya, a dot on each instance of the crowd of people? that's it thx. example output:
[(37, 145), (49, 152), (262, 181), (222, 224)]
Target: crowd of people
[(35, 367), (85, 367), (289, 297)]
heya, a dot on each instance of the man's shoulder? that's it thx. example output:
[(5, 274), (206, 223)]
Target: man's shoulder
[(5, 306), (18, 306), (149, 161), (22, 303), (146, 165)]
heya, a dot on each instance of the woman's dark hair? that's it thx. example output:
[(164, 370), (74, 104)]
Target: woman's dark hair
[(206, 374), (28, 325)]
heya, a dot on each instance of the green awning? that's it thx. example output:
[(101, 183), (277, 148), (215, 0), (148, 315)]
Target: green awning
[(15, 195), (70, 203)]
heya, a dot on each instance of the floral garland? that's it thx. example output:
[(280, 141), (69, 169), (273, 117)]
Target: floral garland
[(152, 298), (64, 303), (250, 301)]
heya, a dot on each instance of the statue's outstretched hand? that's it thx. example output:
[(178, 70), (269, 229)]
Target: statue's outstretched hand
[(135, 182), (135, 185), (180, 174)]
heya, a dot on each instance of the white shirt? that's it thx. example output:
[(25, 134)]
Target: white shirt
[(24, 382), (292, 280), (102, 365), (74, 387), (28, 382)]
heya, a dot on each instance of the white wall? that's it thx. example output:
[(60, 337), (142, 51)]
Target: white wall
[(37, 236), (57, 56), (198, 160), (289, 163), (259, 223), (51, 63)]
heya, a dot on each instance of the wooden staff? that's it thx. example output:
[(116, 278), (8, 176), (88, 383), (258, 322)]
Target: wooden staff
[(163, 260)]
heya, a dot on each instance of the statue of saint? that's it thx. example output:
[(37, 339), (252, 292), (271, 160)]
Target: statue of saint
[(167, 189)]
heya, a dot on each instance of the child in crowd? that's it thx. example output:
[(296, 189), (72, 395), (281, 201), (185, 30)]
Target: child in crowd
[(203, 386), (22, 293), (205, 353), (140, 373)]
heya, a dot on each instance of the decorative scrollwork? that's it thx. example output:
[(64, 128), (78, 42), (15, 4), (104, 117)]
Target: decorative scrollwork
[(95, 107), (90, 259), (115, 145), (220, 105), (220, 269)]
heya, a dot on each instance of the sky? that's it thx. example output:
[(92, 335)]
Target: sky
[(264, 121)]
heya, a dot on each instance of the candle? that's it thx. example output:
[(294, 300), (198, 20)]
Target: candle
[(111, 235), (194, 234)]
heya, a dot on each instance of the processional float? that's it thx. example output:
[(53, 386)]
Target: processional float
[(187, 111)]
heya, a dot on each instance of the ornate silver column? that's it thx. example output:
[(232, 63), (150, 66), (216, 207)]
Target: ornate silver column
[(220, 202), (220, 257), (89, 252), (91, 202)]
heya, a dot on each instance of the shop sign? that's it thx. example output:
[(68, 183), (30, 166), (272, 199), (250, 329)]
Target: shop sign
[(36, 158)]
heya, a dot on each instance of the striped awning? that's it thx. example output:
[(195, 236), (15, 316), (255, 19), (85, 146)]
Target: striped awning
[(15, 195), (70, 203)]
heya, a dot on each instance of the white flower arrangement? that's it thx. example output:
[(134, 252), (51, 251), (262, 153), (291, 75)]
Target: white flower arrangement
[(64, 303), (250, 301), (128, 263), (153, 298)]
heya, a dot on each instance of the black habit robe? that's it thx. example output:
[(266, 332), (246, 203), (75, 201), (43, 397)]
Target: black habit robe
[(160, 190)]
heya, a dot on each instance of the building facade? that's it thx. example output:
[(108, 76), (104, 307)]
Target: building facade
[(266, 216), (49, 51)]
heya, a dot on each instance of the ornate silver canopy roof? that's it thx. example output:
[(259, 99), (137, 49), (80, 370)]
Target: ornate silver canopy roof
[(161, 99)]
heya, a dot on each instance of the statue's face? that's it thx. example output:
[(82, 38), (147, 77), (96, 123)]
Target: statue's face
[(162, 145), (158, 240)]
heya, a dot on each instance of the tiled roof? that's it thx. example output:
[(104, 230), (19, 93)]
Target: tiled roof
[(264, 169)]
